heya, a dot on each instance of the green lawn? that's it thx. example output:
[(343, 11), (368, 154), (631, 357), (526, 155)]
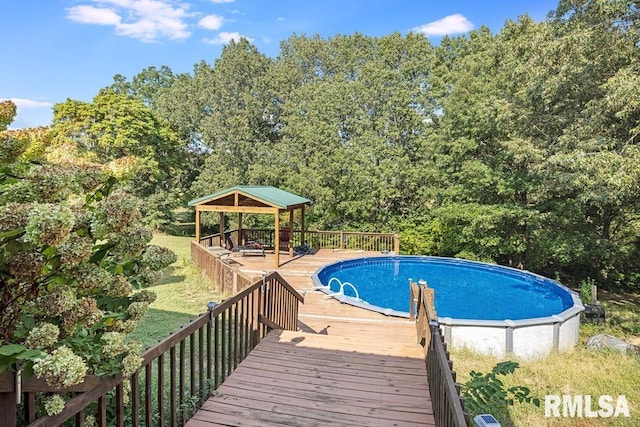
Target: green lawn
[(182, 294)]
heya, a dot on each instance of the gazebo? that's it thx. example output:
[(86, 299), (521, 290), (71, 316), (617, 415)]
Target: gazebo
[(248, 199)]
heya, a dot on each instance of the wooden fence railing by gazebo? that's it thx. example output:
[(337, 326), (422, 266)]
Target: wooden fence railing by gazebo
[(378, 242), (177, 375), (225, 278), (448, 407)]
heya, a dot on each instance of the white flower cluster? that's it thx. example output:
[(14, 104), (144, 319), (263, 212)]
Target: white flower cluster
[(49, 224), (53, 405), (130, 364), (137, 310), (75, 250), (115, 214), (118, 286), (43, 336), (157, 257), (113, 344), (145, 295), (59, 301), (61, 368)]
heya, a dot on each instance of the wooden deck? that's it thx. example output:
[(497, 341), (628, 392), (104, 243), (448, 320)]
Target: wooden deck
[(344, 366)]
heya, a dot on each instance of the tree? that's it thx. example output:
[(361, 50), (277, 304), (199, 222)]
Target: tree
[(147, 86), (237, 123), (354, 125), (117, 127)]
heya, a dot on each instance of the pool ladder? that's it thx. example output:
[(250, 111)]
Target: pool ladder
[(341, 291)]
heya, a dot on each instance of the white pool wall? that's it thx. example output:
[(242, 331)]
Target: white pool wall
[(526, 339)]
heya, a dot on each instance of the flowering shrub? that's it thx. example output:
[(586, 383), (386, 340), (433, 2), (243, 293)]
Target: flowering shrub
[(61, 368), (73, 261), (53, 404)]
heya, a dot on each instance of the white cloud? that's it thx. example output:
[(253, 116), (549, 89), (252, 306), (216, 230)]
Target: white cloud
[(119, 3), (280, 19), (222, 1), (225, 37), (211, 22), (30, 103), (147, 20), (452, 24), (93, 15)]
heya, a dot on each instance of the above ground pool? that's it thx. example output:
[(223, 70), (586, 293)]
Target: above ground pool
[(488, 308)]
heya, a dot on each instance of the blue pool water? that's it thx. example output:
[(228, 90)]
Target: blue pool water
[(463, 289)]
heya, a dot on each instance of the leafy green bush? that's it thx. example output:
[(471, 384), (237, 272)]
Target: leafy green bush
[(586, 287), (486, 393)]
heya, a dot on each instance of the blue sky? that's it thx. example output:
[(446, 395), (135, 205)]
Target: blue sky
[(58, 49)]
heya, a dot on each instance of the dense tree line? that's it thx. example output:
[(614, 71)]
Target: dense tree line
[(519, 147)]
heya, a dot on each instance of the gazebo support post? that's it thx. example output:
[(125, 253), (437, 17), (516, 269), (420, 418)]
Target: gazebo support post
[(277, 238), (302, 240), (291, 233), (240, 229), (198, 225), (221, 229)]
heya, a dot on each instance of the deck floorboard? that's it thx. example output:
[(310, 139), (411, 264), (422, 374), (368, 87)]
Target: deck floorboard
[(343, 366)]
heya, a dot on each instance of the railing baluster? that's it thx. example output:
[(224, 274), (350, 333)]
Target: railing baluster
[(279, 301), (102, 412), (148, 410), (30, 407), (135, 399), (239, 332), (259, 312), (173, 418), (216, 352), (119, 404), (223, 346), (192, 364), (160, 389), (253, 313), (181, 379), (209, 351), (80, 416), (201, 364), (234, 336)]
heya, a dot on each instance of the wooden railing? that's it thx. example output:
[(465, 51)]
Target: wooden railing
[(180, 372), (227, 279), (448, 407), (378, 242)]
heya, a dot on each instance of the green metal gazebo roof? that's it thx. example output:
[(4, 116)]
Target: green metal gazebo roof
[(266, 194)]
